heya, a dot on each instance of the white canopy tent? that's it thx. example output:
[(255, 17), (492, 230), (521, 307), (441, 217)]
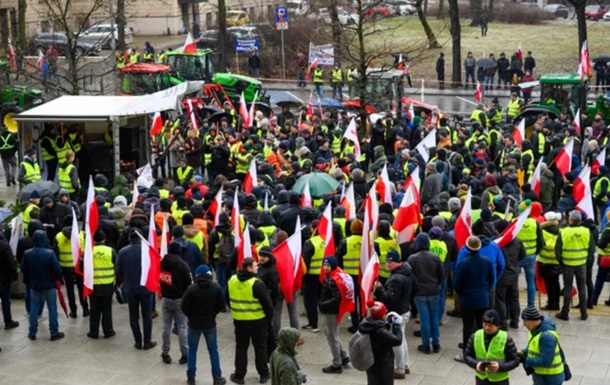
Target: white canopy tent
[(86, 108)]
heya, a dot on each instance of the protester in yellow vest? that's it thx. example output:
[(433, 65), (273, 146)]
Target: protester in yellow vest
[(68, 176), (543, 356), (29, 170), (348, 254), (185, 173), (491, 352), (574, 248), (104, 258), (313, 255), (32, 210), (549, 267)]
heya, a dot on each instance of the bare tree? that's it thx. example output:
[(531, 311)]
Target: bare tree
[(23, 40), (441, 10), (222, 35), (336, 28), (581, 21), (120, 24), (475, 12), (456, 44), (432, 41)]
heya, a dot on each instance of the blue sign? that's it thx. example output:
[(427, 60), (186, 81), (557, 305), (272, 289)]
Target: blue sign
[(281, 18), (246, 45)]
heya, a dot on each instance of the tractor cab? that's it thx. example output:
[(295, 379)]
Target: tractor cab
[(144, 78), (13, 98), (383, 88), (191, 67)]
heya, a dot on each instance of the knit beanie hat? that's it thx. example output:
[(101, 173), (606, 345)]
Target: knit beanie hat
[(524, 205), (377, 310), (491, 317), (202, 270), (332, 261), (393, 256), (530, 314), (454, 204), (473, 243)]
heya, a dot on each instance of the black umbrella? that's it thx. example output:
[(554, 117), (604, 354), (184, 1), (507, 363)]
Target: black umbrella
[(44, 187), (487, 63), (218, 116), (210, 110), (508, 75), (605, 58), (289, 103), (264, 108)]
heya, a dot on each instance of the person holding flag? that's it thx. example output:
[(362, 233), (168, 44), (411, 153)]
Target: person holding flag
[(336, 299), (313, 255), (548, 265), (348, 254), (396, 294), (533, 241), (104, 259)]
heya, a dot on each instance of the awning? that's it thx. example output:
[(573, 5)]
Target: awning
[(102, 108)]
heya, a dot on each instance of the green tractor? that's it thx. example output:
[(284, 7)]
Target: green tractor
[(199, 67), (567, 93), (13, 98), (145, 78)]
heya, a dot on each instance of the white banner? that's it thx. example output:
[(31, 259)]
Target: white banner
[(324, 54)]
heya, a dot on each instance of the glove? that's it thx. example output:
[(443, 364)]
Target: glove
[(397, 320), (302, 377), (392, 316)]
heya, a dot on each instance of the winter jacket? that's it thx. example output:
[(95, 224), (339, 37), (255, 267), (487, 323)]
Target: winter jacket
[(473, 280), (283, 364), (591, 247), (129, 268), (40, 265), (120, 187), (259, 291), (202, 302), (269, 275), (431, 187), (330, 296), (175, 276), (190, 253), (427, 268), (8, 267), (397, 291), (488, 194), (513, 252), (511, 358), (490, 250), (384, 337), (547, 345), (380, 158), (547, 186)]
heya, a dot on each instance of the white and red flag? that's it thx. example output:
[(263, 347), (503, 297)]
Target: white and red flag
[(582, 184), (310, 105), (313, 65), (535, 180), (463, 225), (243, 110), (251, 177), (351, 133), (563, 160), (189, 45), (513, 229), (306, 200), (40, 59), (408, 217), (289, 262), (75, 240), (156, 126), (244, 250), (216, 206), (576, 122), (383, 186), (12, 57), (371, 272), (190, 110), (400, 65), (251, 111), (150, 275), (519, 133), (163, 249), (520, 52), (91, 220), (478, 93), (428, 142), (236, 221), (586, 205), (325, 229), (600, 160), (584, 66), (348, 201)]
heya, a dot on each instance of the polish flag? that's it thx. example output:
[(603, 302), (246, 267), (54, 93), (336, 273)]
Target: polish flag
[(16, 232), (411, 112), (349, 202), (351, 133), (535, 180), (313, 65), (216, 206), (520, 52), (519, 133), (91, 219), (266, 206), (157, 124), (310, 105), (513, 229), (40, 59), (600, 160), (582, 184), (400, 65), (584, 67), (576, 122), (75, 243), (325, 229), (243, 110), (12, 57), (428, 142), (190, 110), (320, 110), (189, 45), (478, 94), (164, 237), (345, 283), (463, 225), (408, 217), (235, 219), (371, 272), (150, 275), (251, 111), (415, 180), (586, 205), (289, 263), (383, 186), (251, 178), (244, 250), (306, 200), (563, 160)]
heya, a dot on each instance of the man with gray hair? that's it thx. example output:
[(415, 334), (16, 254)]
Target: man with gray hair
[(574, 248)]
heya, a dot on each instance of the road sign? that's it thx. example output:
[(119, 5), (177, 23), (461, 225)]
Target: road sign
[(281, 18), (246, 45)]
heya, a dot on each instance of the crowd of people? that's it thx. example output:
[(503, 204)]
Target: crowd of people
[(203, 275)]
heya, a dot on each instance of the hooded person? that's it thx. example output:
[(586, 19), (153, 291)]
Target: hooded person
[(189, 251), (121, 187), (283, 364), (250, 209), (386, 334), (220, 248), (201, 303), (267, 272), (64, 198), (194, 234), (120, 212), (380, 159)]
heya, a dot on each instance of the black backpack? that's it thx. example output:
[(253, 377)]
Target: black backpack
[(225, 247)]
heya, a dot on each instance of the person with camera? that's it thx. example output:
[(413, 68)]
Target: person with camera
[(491, 352), (283, 364)]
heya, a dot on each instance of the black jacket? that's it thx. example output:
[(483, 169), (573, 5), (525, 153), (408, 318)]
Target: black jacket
[(384, 336), (330, 296), (510, 362), (8, 267), (428, 271), (269, 275), (259, 291), (396, 293), (175, 276), (513, 252), (201, 302)]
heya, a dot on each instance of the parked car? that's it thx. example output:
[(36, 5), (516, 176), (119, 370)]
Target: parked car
[(558, 10), (376, 12), (236, 18), (297, 7), (345, 17), (595, 12), (60, 41), (606, 16), (100, 33), (402, 7)]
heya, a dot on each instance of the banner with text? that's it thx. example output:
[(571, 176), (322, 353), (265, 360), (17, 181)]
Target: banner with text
[(246, 45), (324, 54)]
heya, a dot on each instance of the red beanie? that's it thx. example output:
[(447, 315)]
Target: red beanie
[(377, 310)]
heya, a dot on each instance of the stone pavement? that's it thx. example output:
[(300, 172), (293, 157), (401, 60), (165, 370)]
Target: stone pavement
[(77, 359)]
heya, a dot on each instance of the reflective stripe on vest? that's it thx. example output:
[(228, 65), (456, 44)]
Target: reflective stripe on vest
[(318, 75), (598, 188), (61, 151), (197, 239), (495, 352), (65, 181), (605, 251), (315, 265), (513, 108), (439, 247), (341, 222), (103, 268), (547, 254), (527, 235), (5, 143), (385, 246), (541, 143), (267, 230), (351, 259), (244, 307), (337, 75), (182, 173), (64, 246), (533, 351), (43, 151), (32, 172), (575, 242)]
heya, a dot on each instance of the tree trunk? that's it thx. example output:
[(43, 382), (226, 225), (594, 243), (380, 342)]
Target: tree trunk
[(456, 40), (337, 32), (23, 28), (185, 13), (432, 42), (362, 66), (222, 35), (426, 7), (441, 9), (475, 12), (579, 7), (120, 23), (490, 10)]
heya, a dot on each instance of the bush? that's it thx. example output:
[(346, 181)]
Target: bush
[(512, 13)]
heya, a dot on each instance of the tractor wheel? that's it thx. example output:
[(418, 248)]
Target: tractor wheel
[(6, 117)]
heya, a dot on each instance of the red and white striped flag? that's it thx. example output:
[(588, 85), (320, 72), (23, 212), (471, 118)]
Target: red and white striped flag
[(75, 241), (251, 177), (478, 93), (235, 219), (216, 206), (585, 205), (520, 52), (289, 263), (349, 202), (513, 229), (519, 133), (244, 250), (325, 229), (164, 237), (40, 59), (12, 57), (600, 160), (463, 225), (310, 105), (313, 65), (150, 275), (243, 110), (563, 160), (189, 45), (306, 200), (576, 122), (320, 110), (535, 180), (156, 126), (190, 110), (584, 66), (251, 111), (411, 112), (351, 133), (383, 186), (582, 184), (91, 220), (135, 197), (408, 216), (371, 272)]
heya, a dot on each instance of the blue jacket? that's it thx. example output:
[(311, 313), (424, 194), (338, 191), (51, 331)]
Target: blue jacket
[(490, 250), (190, 253), (129, 268), (40, 265), (473, 279), (547, 345)]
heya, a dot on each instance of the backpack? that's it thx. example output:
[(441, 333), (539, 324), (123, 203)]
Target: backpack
[(225, 247), (361, 351)]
